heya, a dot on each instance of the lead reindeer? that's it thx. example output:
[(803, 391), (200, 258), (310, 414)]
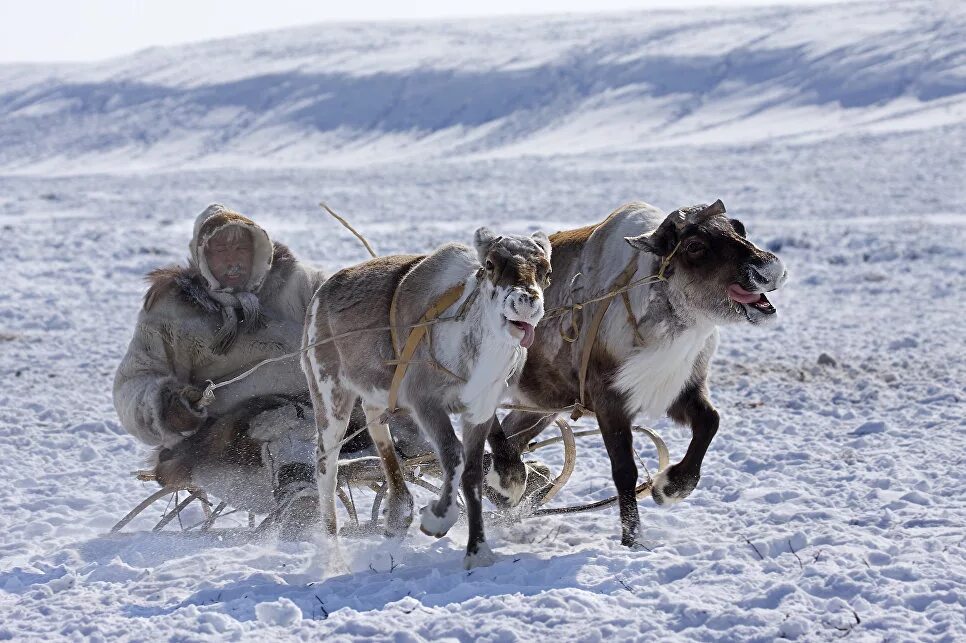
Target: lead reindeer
[(486, 301), (647, 354)]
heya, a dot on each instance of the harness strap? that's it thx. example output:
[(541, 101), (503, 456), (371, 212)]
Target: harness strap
[(393, 333), (622, 280), (631, 319), (416, 335), (619, 285)]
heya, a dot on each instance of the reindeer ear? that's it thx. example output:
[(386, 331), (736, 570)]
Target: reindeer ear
[(642, 242), (661, 241), (739, 227), (483, 239), (543, 241)]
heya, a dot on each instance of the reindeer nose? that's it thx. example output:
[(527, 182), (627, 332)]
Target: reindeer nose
[(756, 275), (524, 301), (770, 274)]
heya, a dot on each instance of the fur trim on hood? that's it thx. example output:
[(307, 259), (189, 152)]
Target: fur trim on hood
[(193, 286), (214, 218)]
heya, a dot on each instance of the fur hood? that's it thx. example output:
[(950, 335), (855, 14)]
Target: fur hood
[(194, 287), (210, 222), (240, 308)]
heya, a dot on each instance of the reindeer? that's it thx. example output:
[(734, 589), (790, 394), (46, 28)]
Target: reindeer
[(649, 355), (486, 301)]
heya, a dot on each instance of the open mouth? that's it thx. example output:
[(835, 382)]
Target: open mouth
[(527, 329), (748, 299)]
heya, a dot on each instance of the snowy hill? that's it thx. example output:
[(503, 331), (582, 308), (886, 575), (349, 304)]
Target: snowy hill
[(335, 94)]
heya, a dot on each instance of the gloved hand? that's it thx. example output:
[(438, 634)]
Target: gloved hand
[(180, 411)]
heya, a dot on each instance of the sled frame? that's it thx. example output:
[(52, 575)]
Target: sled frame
[(422, 470)]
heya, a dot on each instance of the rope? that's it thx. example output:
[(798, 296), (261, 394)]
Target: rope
[(346, 440), (209, 394), (382, 419), (416, 335)]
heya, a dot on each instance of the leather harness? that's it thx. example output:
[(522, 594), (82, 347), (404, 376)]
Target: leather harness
[(620, 286)]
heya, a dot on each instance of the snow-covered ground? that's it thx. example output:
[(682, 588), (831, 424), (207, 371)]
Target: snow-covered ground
[(833, 501)]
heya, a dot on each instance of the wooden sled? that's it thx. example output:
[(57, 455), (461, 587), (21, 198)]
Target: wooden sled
[(422, 471)]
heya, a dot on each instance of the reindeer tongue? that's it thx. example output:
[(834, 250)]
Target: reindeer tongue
[(741, 295), (528, 334)]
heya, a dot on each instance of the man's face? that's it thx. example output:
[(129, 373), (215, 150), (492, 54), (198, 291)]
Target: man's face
[(229, 255)]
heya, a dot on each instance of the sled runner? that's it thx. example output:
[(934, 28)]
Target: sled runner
[(365, 474), (170, 513)]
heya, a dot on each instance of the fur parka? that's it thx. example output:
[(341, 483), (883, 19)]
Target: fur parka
[(176, 340)]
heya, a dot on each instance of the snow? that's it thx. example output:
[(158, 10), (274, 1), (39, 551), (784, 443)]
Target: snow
[(833, 500), (282, 612)]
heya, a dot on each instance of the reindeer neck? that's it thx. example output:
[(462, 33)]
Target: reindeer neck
[(658, 308), (470, 338)]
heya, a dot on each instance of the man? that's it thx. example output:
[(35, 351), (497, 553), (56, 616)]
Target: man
[(241, 299)]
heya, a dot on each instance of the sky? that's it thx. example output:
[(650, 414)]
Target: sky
[(85, 30)]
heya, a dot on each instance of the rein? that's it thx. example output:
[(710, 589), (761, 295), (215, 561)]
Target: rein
[(209, 394)]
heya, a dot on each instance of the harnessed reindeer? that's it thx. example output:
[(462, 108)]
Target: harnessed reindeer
[(491, 299), (649, 355)]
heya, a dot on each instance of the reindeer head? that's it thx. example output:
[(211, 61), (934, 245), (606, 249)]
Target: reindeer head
[(716, 269), (516, 270)]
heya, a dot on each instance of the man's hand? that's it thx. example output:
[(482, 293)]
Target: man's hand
[(193, 394), (181, 413)]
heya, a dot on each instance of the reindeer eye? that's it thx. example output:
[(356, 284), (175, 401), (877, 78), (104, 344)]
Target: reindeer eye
[(695, 248), (489, 265)]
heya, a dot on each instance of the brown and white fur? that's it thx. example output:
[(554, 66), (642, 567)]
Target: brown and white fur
[(485, 349), (663, 368)]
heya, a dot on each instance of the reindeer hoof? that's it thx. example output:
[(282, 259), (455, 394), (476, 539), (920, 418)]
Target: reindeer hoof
[(671, 487), (438, 526), (629, 536), (399, 515), (482, 557), (507, 481)]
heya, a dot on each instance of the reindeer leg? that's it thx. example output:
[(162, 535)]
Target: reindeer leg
[(478, 553), (438, 517), (615, 427), (692, 408), (399, 510), (333, 407), (507, 478)]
